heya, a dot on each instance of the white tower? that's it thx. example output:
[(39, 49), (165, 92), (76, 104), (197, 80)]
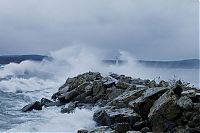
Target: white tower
[(117, 60)]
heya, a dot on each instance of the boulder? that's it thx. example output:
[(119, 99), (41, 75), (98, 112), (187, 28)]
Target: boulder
[(141, 124), (108, 82), (185, 103), (189, 93), (143, 103), (112, 93), (163, 83), (122, 85), (70, 108), (102, 129), (68, 96), (165, 108), (98, 90), (82, 131), (36, 105), (110, 115), (121, 127), (124, 99), (45, 102)]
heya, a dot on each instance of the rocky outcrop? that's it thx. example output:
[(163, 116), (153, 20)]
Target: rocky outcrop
[(128, 105)]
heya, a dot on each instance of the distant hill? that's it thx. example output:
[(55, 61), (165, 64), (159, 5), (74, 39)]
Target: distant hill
[(6, 59), (185, 64)]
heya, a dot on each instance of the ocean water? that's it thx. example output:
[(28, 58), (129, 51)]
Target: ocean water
[(23, 83)]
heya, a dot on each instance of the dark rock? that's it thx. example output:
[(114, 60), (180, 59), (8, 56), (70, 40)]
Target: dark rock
[(193, 130), (56, 103), (145, 130), (109, 115), (82, 131), (124, 99), (102, 129), (169, 126), (163, 83), (115, 76), (143, 103), (122, 85), (165, 108), (70, 108), (178, 89), (108, 82), (112, 93), (185, 103), (141, 124), (55, 95), (121, 127), (67, 97), (45, 101), (36, 105)]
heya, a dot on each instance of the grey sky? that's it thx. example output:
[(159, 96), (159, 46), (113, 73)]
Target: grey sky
[(149, 29)]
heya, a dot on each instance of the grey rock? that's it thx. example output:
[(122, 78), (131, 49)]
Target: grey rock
[(108, 82), (112, 93), (122, 85), (33, 106), (121, 127), (45, 101), (143, 103), (102, 129), (110, 115), (67, 97), (163, 108), (185, 103), (124, 99), (82, 131), (163, 83), (145, 130)]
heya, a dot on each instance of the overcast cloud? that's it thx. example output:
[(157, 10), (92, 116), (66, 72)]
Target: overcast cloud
[(148, 29)]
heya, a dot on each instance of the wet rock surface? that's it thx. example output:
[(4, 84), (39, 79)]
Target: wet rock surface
[(128, 105)]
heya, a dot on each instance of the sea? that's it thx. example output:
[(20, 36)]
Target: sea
[(28, 81)]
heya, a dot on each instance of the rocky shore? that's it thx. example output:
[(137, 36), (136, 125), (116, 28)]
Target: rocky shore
[(128, 105)]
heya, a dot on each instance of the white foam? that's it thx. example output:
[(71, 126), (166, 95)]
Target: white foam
[(53, 121)]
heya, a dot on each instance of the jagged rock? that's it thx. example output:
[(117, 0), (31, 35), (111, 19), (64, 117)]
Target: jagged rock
[(178, 89), (193, 130), (82, 131), (68, 96), (150, 84), (189, 93), (108, 82), (122, 85), (143, 103), (133, 132), (70, 108), (185, 103), (145, 130), (165, 108), (110, 115), (55, 96), (112, 93), (115, 76), (36, 105), (138, 81), (121, 127), (64, 89), (124, 99), (98, 90), (102, 129), (56, 103), (141, 124), (163, 83), (45, 102)]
